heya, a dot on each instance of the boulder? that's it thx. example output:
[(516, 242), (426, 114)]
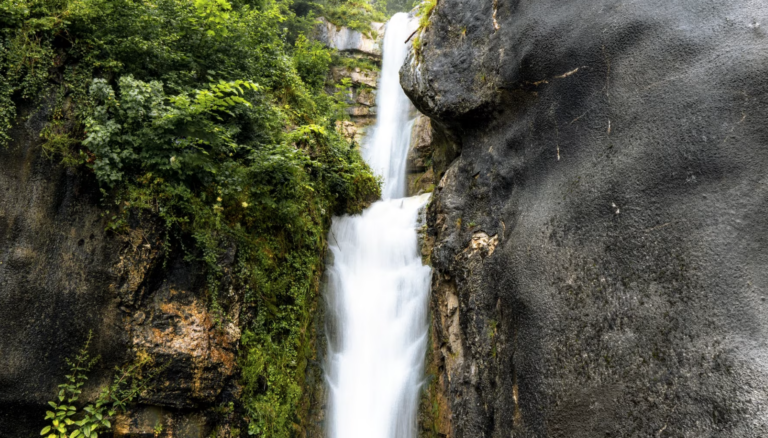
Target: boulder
[(602, 237), (420, 152), (419, 159)]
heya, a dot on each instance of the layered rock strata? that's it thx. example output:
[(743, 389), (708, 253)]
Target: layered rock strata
[(361, 56)]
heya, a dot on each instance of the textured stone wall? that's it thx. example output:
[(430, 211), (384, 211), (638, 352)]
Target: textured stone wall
[(600, 241), (357, 49)]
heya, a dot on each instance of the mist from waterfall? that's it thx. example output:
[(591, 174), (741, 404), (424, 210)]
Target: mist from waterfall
[(377, 287)]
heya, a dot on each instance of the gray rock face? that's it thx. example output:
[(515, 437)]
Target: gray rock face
[(420, 172), (344, 39), (602, 239), (54, 281), (359, 50)]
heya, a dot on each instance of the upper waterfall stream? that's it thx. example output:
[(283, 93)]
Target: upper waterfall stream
[(377, 285)]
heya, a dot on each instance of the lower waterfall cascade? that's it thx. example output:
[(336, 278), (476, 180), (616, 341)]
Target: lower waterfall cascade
[(377, 286)]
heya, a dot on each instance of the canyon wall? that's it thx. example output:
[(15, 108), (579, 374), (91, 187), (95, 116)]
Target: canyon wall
[(62, 275), (599, 244)]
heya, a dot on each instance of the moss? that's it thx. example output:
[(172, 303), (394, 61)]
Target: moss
[(425, 10), (434, 419)]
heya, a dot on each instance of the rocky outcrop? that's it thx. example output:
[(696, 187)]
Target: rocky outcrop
[(62, 276), (361, 59), (344, 39), (419, 159), (432, 150), (360, 98), (601, 240), (359, 78)]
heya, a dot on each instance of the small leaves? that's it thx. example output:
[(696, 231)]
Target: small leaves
[(127, 384)]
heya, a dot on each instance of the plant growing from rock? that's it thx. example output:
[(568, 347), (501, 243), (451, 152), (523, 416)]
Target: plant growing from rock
[(341, 97), (354, 14), (67, 421), (426, 8)]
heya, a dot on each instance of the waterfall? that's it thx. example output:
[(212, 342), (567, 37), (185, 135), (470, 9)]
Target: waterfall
[(377, 285), (387, 147)]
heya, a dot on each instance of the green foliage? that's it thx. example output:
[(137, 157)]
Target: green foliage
[(159, 100), (312, 61), (341, 96), (157, 429), (27, 28), (394, 6), (424, 14), (211, 16), (67, 421), (176, 138), (354, 14), (352, 62), (426, 7)]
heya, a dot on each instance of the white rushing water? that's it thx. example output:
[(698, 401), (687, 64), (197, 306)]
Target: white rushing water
[(377, 285)]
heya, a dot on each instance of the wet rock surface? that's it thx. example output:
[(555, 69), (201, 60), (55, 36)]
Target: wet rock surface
[(601, 240)]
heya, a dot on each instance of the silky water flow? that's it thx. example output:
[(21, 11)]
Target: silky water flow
[(377, 287)]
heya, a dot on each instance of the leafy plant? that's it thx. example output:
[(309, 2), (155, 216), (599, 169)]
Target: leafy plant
[(157, 429), (354, 14), (312, 61), (341, 98), (67, 421), (172, 137), (426, 8), (424, 12), (353, 62)]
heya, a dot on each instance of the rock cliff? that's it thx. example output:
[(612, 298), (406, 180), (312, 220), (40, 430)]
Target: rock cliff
[(358, 63), (63, 276), (600, 241)]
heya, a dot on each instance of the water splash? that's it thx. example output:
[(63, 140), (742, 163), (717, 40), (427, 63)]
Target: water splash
[(377, 285)]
